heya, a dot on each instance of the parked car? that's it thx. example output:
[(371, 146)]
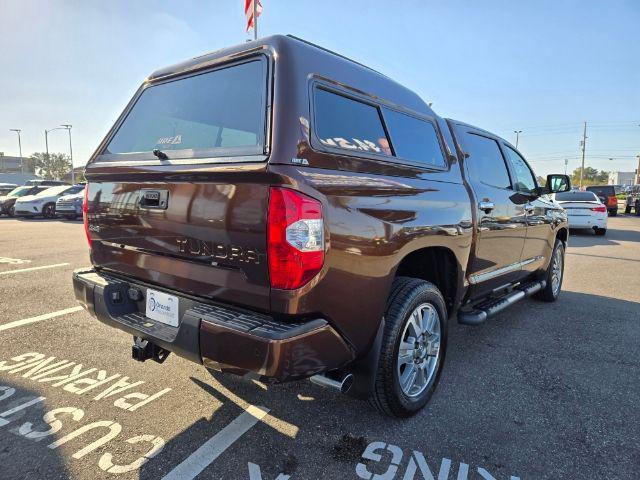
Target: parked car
[(43, 203), (70, 206), (8, 201), (607, 195), (6, 188), (584, 210), (309, 217), (48, 183), (633, 200)]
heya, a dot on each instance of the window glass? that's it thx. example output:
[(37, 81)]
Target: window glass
[(349, 124), (74, 189), (485, 161), (576, 196), (413, 139), (19, 192), (50, 191), (603, 191), (212, 111), (524, 178)]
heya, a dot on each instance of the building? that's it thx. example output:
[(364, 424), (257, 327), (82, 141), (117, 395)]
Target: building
[(11, 164), (17, 178), (78, 173), (622, 178)]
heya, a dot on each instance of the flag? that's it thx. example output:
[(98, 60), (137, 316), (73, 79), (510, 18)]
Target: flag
[(248, 11)]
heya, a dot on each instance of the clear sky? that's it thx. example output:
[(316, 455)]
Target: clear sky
[(541, 66)]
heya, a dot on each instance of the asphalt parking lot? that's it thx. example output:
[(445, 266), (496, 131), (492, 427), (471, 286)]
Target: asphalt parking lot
[(541, 391)]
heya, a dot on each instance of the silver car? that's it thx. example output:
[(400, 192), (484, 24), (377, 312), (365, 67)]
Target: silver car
[(70, 206)]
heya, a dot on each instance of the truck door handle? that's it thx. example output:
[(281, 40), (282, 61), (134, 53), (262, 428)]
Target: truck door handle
[(154, 199), (486, 206)]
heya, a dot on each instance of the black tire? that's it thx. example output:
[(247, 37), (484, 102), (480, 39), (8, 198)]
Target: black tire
[(627, 209), (601, 231), (613, 213), (407, 294), (12, 211), (549, 293)]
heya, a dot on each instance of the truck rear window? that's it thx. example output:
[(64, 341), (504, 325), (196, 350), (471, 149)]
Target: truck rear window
[(602, 191), (218, 113)]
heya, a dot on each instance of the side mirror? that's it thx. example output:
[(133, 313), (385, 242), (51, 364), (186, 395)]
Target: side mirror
[(557, 183)]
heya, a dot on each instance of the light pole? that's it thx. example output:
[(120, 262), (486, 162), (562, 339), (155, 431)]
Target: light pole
[(46, 141), (566, 162), (46, 144), (517, 132), (73, 176), (583, 144), (17, 130)]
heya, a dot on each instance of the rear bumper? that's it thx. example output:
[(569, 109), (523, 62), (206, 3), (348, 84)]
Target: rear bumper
[(587, 222), (222, 337)]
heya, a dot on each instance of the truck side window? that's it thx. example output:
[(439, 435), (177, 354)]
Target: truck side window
[(342, 122), (524, 178), (485, 162), (413, 138)]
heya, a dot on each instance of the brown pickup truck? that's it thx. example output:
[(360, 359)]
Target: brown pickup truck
[(277, 209)]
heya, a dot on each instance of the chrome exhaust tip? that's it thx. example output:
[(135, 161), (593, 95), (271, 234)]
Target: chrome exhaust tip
[(342, 386)]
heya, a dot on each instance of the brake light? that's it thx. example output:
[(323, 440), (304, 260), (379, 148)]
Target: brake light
[(601, 208), (85, 207), (295, 238)]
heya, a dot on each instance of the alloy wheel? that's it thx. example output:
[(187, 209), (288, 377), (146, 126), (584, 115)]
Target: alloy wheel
[(556, 271), (419, 351)]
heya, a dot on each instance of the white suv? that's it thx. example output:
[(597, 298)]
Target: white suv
[(44, 203)]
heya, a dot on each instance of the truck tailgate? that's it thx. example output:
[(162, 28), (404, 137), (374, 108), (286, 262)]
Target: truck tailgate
[(203, 238)]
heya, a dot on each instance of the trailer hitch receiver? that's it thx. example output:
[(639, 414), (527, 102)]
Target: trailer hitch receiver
[(144, 350)]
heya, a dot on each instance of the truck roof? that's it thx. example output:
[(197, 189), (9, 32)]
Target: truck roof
[(309, 59), (465, 124)]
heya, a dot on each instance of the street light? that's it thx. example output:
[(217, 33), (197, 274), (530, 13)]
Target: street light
[(46, 141), (517, 132), (17, 130), (73, 176), (566, 162)]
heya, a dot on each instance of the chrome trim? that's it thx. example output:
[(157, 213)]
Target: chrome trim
[(186, 161), (483, 277), (486, 206)]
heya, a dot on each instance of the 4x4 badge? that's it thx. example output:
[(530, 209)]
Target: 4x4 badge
[(299, 161)]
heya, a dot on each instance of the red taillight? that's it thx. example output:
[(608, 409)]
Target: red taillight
[(85, 206), (295, 238), (601, 208)]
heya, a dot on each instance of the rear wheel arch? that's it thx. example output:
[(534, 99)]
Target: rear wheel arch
[(563, 234), (437, 265)]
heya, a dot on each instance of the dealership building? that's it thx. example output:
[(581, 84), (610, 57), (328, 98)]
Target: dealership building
[(622, 178)]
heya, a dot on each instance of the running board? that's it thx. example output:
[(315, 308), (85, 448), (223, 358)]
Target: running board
[(490, 307)]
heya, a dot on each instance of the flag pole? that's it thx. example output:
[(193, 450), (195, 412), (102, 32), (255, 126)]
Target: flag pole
[(255, 19)]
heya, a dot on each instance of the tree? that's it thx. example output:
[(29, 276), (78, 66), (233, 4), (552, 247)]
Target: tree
[(591, 176), (53, 167)]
